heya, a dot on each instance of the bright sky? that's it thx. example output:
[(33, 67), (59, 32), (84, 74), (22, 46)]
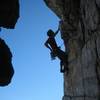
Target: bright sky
[(36, 76)]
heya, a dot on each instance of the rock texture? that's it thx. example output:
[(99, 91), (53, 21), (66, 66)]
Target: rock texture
[(9, 13), (80, 30)]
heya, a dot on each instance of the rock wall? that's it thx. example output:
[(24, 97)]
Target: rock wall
[(80, 31)]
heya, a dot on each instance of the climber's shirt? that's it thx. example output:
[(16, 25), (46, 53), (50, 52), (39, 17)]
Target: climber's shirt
[(51, 41)]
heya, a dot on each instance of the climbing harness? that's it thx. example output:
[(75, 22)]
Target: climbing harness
[(53, 55)]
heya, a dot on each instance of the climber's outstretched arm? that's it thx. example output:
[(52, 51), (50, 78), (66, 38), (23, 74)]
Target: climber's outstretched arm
[(47, 45), (57, 31)]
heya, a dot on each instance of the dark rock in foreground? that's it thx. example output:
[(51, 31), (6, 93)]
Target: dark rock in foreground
[(9, 13), (6, 68)]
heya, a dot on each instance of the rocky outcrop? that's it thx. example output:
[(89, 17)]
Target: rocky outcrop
[(9, 13), (6, 68), (80, 31)]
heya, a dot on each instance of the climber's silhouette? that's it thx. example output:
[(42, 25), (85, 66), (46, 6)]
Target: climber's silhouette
[(56, 51), (6, 68)]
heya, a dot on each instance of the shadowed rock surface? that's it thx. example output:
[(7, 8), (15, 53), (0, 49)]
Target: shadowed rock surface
[(9, 13), (80, 31), (6, 68)]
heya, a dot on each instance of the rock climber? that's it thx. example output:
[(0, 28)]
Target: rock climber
[(55, 50)]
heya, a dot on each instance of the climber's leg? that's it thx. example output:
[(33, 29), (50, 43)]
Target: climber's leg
[(61, 54), (63, 67), (63, 60), (66, 67), (62, 70)]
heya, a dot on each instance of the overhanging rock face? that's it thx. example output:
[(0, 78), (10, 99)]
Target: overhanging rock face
[(80, 30), (9, 13)]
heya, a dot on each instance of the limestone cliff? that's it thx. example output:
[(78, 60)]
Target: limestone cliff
[(80, 31)]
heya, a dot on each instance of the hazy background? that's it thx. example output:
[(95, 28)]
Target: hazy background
[(36, 76)]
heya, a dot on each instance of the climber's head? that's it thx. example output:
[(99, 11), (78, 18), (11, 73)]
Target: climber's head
[(50, 33)]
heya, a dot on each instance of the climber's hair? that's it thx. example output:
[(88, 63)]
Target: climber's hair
[(50, 32)]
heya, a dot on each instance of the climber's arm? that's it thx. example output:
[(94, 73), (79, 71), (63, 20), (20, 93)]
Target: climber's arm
[(57, 31), (47, 45)]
